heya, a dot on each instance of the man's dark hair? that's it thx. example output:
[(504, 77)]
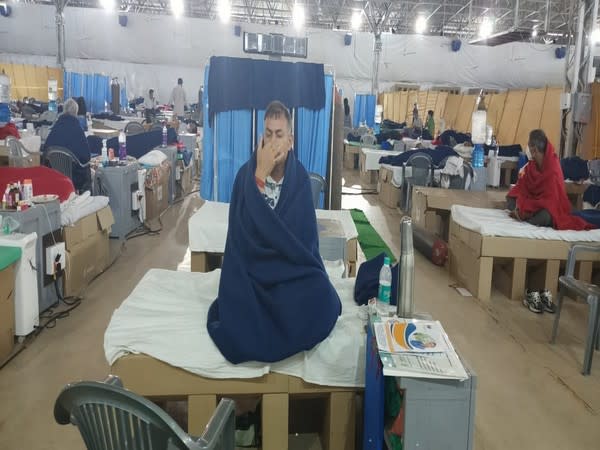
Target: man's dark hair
[(538, 139), (151, 91), (179, 80), (276, 109), (430, 112)]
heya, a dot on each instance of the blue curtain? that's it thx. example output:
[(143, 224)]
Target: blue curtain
[(124, 102), (312, 134), (364, 110), (206, 181), (233, 136), (94, 88)]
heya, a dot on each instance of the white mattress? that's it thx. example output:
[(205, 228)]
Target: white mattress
[(165, 317), (207, 228), (372, 157), (398, 177), (497, 222), (78, 206)]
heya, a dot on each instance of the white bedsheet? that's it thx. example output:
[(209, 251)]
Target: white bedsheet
[(78, 206), (165, 317), (398, 177), (207, 228), (372, 157), (497, 222)]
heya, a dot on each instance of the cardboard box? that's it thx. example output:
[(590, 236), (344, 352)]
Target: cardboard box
[(366, 176), (183, 179), (87, 248), (88, 226), (352, 250), (389, 194), (352, 266), (157, 198), (7, 311)]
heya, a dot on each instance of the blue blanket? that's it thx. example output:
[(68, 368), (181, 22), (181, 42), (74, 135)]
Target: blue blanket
[(367, 281), (437, 155), (275, 298)]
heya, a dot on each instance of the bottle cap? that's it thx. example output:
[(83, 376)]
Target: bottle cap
[(386, 260)]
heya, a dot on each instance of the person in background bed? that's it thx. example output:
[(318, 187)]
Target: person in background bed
[(347, 118), (150, 106), (430, 124), (67, 132), (539, 197)]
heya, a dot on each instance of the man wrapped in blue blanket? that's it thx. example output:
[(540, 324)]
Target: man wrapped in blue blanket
[(275, 298)]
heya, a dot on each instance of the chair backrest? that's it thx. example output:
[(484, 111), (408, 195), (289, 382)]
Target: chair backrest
[(49, 116), (362, 131), (18, 156), (111, 417), (61, 159), (317, 185), (134, 128), (422, 169), (368, 139)]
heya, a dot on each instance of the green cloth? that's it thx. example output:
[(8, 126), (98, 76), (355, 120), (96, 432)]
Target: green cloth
[(9, 255), (358, 144), (369, 240), (430, 125)]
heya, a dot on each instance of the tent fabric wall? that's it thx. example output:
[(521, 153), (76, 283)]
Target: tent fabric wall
[(94, 88), (551, 120), (510, 117), (31, 81), (451, 111), (440, 106), (531, 114), (465, 113), (495, 108), (401, 107)]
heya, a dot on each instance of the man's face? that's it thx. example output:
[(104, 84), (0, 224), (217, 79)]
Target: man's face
[(536, 155), (278, 135)]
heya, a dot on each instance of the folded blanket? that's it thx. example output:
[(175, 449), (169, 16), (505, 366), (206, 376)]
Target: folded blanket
[(437, 156), (545, 189), (275, 298)]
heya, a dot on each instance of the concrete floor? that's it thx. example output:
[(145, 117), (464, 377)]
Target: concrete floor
[(530, 394)]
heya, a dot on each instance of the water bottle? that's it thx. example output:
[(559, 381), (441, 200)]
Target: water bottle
[(104, 153), (385, 282), (164, 136), (122, 147), (477, 156), (405, 303)]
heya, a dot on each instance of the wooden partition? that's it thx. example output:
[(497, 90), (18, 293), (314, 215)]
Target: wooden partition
[(495, 108), (32, 81), (551, 116), (465, 113), (452, 107), (440, 105), (510, 117), (531, 115)]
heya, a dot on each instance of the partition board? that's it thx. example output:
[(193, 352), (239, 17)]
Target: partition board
[(31, 81), (531, 115), (510, 117), (431, 101), (411, 99), (402, 107), (495, 108), (465, 112), (422, 102), (551, 115), (452, 105)]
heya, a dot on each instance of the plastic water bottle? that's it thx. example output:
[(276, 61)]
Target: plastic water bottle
[(385, 282), (89, 122), (164, 136), (104, 153), (478, 156), (122, 147)]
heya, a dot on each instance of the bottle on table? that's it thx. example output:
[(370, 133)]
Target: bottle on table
[(385, 282), (104, 153), (164, 136), (122, 147)]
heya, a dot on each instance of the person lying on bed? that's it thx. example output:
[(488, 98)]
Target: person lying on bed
[(275, 298), (539, 197)]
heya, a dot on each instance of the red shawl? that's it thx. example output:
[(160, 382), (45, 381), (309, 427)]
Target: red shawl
[(545, 189)]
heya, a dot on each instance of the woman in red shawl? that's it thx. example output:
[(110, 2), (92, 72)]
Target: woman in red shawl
[(539, 197)]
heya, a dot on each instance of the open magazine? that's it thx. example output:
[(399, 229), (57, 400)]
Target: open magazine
[(417, 348)]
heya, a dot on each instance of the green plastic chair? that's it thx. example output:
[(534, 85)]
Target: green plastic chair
[(110, 417)]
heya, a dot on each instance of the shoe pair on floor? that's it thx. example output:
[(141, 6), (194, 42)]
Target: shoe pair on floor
[(539, 301)]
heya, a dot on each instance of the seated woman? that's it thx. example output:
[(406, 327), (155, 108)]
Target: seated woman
[(539, 197), (66, 132), (275, 298)]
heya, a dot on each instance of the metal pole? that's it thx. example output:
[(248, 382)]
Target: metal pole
[(592, 26), (547, 17), (376, 58), (516, 13), (575, 78)]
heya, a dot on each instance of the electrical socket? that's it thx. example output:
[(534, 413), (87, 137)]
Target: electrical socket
[(55, 253)]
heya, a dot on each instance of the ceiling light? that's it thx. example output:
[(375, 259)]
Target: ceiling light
[(356, 20), (109, 5), (224, 10), (421, 24), (298, 16), (486, 28), (177, 7), (595, 38)]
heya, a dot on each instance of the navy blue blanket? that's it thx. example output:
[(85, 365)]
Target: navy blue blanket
[(243, 83), (451, 138), (367, 280), (589, 215), (437, 155), (137, 145), (509, 151), (575, 168), (592, 195), (275, 298)]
